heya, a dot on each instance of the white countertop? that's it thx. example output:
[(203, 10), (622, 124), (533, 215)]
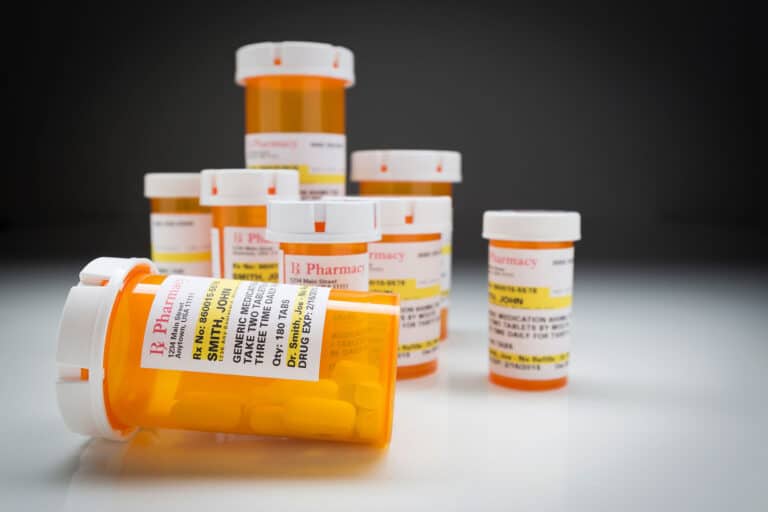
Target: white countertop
[(666, 409)]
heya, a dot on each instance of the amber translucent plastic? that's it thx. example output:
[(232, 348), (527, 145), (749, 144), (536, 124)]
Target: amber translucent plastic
[(352, 401), (411, 188), (416, 370), (177, 205), (525, 384), (236, 216), (324, 249), (294, 104)]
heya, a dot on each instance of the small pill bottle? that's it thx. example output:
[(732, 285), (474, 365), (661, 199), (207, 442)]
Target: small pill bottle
[(324, 243), (408, 172), (142, 349), (407, 261), (530, 292), (238, 199), (179, 227), (295, 111)]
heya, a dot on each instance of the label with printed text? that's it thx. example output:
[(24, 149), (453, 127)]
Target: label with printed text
[(236, 327), (412, 270), (320, 159), (247, 254), (344, 272), (181, 243), (445, 272), (530, 295)]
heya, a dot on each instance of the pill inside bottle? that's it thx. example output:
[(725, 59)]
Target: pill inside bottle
[(413, 172), (141, 349), (324, 243)]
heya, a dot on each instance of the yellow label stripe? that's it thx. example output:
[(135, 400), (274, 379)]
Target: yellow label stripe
[(295, 334), (446, 249), (406, 288), (306, 176), (417, 346), (263, 272), (180, 257), (525, 297), (529, 359), (212, 319)]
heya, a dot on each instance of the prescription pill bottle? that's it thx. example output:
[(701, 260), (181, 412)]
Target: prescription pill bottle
[(179, 227), (295, 111), (407, 261), (408, 172), (530, 291), (238, 199), (324, 243), (141, 349)]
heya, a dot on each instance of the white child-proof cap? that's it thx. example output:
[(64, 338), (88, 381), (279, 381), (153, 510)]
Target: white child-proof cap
[(323, 222), (409, 215), (81, 339), (171, 184), (247, 187), (408, 165), (294, 58), (532, 225)]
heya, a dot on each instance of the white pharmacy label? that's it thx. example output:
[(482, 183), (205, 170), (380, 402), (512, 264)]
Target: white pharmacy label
[(247, 254), (320, 158), (181, 243), (233, 327), (412, 270), (445, 272), (530, 294), (344, 272)]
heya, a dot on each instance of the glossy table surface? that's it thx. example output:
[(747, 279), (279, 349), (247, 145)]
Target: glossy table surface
[(666, 409)]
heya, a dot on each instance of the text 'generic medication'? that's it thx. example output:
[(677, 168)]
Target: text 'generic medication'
[(141, 349), (179, 227), (238, 199), (409, 172), (408, 262), (324, 243), (530, 292), (295, 111)]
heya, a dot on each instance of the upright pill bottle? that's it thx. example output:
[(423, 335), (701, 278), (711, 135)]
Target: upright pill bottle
[(408, 172), (238, 199), (141, 349), (408, 261), (530, 292), (179, 227), (324, 243), (295, 111)]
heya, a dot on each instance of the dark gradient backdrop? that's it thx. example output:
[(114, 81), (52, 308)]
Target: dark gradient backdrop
[(640, 119)]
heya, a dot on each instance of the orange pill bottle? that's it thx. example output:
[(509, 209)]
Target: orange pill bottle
[(179, 227), (295, 111), (238, 199), (408, 172), (324, 243), (530, 293), (141, 349)]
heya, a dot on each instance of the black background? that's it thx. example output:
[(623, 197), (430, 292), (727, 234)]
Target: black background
[(642, 119)]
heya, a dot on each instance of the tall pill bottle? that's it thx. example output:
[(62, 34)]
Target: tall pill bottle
[(179, 227), (408, 172), (530, 292), (324, 243), (238, 199), (141, 349), (295, 111), (408, 261)]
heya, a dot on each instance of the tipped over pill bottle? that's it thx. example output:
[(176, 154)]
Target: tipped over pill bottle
[(141, 349), (238, 199), (295, 111), (409, 172), (530, 292), (179, 227), (324, 243)]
